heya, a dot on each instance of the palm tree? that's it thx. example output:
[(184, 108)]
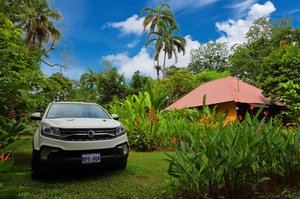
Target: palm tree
[(89, 79), (158, 18), (168, 42), (161, 12), (36, 20)]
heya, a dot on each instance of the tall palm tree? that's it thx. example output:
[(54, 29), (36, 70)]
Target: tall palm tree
[(166, 41), (38, 24), (158, 18)]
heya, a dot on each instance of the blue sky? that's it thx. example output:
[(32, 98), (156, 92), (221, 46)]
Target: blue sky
[(94, 30)]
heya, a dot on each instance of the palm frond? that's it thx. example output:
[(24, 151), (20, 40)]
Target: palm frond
[(148, 9), (150, 41), (153, 24), (164, 5), (148, 19), (161, 25), (54, 14), (152, 33)]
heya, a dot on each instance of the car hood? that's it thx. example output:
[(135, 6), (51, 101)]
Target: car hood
[(82, 123)]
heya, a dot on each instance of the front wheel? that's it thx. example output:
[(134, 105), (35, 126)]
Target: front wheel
[(35, 165), (122, 164)]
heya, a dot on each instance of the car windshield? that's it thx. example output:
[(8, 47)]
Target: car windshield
[(76, 110)]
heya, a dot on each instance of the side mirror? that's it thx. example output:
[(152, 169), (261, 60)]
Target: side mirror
[(36, 116), (115, 116)]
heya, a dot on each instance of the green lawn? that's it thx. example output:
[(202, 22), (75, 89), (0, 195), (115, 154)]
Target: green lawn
[(145, 177)]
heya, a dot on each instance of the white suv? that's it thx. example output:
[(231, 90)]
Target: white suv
[(75, 133)]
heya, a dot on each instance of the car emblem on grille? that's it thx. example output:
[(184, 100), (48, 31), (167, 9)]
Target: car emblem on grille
[(91, 134)]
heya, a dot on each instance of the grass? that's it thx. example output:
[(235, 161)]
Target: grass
[(144, 177)]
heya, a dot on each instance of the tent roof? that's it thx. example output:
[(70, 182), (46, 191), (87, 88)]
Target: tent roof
[(227, 89)]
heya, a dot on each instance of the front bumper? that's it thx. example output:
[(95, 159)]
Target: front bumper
[(58, 158), (39, 141)]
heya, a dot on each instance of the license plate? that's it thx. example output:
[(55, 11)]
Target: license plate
[(91, 158)]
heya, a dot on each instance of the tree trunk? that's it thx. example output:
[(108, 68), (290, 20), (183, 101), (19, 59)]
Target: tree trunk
[(157, 67), (164, 66)]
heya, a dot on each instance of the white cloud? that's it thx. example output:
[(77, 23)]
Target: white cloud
[(241, 7), (133, 43), (128, 65), (144, 63), (234, 31), (179, 5), (117, 59), (183, 60), (257, 10), (132, 25)]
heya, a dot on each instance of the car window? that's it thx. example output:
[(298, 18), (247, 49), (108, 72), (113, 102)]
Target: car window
[(68, 110)]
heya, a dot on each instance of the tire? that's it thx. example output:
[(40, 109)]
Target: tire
[(35, 165), (122, 164)]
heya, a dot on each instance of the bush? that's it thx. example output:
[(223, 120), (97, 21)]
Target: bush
[(141, 116), (141, 121), (9, 130), (220, 160)]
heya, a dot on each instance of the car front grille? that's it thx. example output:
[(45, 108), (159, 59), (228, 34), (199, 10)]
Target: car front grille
[(87, 134)]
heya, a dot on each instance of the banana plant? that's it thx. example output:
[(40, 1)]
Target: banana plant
[(10, 129)]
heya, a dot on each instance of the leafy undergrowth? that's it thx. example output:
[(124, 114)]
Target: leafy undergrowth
[(144, 177), (255, 158)]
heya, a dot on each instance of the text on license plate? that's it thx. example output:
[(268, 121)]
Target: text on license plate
[(91, 158)]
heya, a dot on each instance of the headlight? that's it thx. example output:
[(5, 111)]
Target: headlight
[(49, 131), (120, 130)]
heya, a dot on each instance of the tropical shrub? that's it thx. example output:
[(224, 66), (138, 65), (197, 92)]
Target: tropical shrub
[(141, 115), (9, 131), (176, 124), (141, 121), (226, 160)]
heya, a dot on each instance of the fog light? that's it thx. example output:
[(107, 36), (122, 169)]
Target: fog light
[(44, 154), (124, 148), (46, 151)]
